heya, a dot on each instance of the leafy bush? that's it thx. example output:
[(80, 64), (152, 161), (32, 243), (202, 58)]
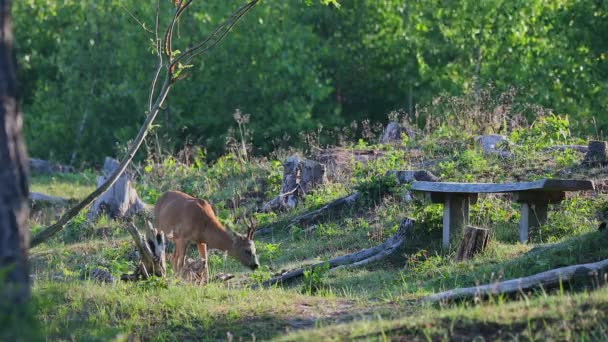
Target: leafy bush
[(377, 186)]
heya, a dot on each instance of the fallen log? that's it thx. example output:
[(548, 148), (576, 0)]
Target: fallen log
[(359, 258), (151, 246), (45, 167), (314, 215), (39, 197), (545, 280), (562, 148)]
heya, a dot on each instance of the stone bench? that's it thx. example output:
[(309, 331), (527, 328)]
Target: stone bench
[(533, 196)]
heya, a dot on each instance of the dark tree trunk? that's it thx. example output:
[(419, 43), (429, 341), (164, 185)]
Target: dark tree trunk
[(14, 236)]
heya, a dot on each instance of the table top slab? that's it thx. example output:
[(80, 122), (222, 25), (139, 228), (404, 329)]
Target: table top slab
[(542, 185)]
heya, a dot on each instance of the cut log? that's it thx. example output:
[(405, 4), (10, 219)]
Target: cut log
[(359, 258), (120, 200), (151, 248), (475, 241), (597, 154), (544, 280)]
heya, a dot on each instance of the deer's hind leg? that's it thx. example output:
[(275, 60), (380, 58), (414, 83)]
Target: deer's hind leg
[(202, 252), (179, 255)]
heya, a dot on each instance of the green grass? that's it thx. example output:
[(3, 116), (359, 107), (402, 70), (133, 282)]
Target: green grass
[(66, 185), (375, 302)]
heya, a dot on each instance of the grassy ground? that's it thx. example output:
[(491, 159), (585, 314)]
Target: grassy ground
[(376, 302)]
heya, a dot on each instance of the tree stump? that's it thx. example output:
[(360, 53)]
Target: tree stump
[(475, 240), (392, 133), (299, 176), (597, 154), (151, 246), (311, 174), (119, 201)]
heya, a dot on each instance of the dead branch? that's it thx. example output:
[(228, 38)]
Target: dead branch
[(151, 247), (547, 279), (359, 258)]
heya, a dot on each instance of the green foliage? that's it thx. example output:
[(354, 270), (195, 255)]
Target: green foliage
[(376, 186), (302, 68), (78, 229), (574, 216), (314, 278), (545, 131)]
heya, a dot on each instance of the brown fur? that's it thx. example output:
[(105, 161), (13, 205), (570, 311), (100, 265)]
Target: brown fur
[(185, 219)]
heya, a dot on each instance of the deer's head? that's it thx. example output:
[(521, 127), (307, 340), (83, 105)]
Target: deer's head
[(243, 247)]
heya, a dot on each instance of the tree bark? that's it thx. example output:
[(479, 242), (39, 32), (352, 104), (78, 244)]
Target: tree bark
[(14, 235), (474, 241)]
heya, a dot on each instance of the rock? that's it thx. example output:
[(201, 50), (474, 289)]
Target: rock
[(408, 176), (493, 144)]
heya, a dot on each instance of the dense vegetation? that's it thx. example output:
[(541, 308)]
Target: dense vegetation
[(376, 302), (293, 67)]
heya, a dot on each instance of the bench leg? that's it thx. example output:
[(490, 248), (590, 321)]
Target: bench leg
[(533, 215), (455, 217)]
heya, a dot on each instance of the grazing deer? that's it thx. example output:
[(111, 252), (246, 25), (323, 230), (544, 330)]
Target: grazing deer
[(184, 218)]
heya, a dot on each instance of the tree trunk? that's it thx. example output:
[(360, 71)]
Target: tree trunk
[(474, 241), (14, 235)]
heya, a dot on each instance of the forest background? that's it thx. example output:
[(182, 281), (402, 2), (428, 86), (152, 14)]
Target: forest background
[(85, 67)]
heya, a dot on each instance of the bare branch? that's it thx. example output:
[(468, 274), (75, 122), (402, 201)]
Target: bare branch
[(159, 53), (216, 36), (143, 25)]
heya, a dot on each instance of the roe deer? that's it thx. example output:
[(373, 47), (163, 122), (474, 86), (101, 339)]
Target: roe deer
[(184, 218)]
